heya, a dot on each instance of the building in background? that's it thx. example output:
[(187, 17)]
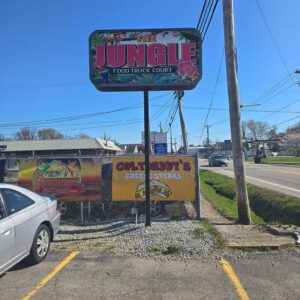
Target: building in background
[(132, 149), (61, 147), (12, 150)]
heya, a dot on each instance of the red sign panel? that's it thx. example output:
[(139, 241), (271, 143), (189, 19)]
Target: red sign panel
[(153, 59)]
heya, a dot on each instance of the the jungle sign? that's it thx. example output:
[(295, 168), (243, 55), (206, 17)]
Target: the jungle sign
[(154, 59)]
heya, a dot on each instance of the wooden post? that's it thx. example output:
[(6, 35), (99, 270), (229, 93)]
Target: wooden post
[(234, 110), (183, 130)]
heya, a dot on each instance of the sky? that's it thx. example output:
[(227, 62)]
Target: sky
[(44, 61)]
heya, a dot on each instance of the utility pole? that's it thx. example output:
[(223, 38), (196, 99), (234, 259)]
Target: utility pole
[(234, 111), (179, 95), (171, 142), (207, 139)]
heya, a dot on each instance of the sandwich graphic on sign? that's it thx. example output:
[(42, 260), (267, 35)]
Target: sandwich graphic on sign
[(157, 188)]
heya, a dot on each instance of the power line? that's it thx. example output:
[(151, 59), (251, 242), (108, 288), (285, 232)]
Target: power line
[(43, 85), (172, 117), (68, 97), (214, 93), (93, 127), (211, 16), (166, 124), (78, 124), (206, 15), (69, 118), (270, 92), (286, 121), (201, 14), (163, 108), (272, 37), (202, 28), (281, 109), (72, 118), (226, 109), (207, 12)]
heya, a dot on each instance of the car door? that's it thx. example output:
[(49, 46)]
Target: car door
[(21, 210), (6, 237)]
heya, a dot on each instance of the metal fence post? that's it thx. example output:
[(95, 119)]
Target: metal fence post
[(197, 188), (81, 211)]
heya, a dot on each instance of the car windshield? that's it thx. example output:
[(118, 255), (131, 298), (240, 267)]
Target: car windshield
[(218, 157)]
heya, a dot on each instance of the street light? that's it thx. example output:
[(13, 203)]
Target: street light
[(248, 105)]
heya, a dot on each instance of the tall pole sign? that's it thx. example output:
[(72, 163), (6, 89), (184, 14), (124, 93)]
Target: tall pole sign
[(145, 60)]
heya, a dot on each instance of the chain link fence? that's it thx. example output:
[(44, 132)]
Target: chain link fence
[(79, 209)]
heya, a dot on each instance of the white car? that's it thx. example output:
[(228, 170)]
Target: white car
[(28, 223)]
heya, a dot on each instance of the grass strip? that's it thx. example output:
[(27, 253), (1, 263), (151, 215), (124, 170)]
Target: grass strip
[(225, 205), (207, 227), (266, 205), (275, 159)]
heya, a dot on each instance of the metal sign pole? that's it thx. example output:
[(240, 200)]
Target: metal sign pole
[(147, 157), (197, 188)]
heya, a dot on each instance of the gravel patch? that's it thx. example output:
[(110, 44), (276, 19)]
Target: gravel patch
[(165, 239)]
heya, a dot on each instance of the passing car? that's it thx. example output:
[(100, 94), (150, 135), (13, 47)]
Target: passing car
[(28, 223), (217, 160)]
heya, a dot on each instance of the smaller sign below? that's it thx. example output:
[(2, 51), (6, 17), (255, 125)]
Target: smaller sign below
[(156, 137), (160, 149)]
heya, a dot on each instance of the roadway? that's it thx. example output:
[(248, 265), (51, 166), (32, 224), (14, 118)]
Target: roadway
[(282, 179)]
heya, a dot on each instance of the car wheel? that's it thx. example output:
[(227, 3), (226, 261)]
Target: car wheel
[(40, 245)]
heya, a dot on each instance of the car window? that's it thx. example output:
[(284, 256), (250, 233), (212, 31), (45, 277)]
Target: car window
[(2, 210), (15, 201)]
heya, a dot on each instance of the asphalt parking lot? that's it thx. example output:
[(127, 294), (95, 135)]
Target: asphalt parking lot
[(109, 276)]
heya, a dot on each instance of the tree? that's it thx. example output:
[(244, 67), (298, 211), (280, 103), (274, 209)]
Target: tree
[(25, 133), (2, 137), (274, 137), (81, 136), (244, 134), (49, 134), (293, 139), (256, 132)]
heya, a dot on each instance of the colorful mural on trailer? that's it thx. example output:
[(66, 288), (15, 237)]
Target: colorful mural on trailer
[(157, 59), (70, 179)]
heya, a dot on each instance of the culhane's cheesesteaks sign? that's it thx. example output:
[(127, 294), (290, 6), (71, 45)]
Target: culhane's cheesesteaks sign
[(152, 59), (171, 178)]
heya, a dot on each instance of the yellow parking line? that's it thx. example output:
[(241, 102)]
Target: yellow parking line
[(234, 279), (51, 275), (286, 172)]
